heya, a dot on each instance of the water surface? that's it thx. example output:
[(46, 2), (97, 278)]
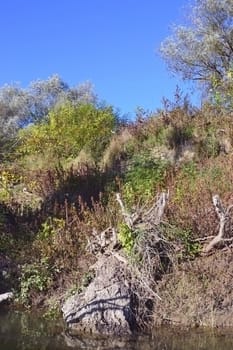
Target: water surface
[(29, 331)]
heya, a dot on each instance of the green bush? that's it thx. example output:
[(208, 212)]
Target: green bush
[(186, 181), (35, 277), (180, 135), (222, 90), (190, 248), (126, 237), (67, 130), (143, 177), (7, 181), (209, 147), (50, 227)]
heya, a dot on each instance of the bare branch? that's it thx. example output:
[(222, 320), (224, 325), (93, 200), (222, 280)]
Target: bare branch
[(156, 212), (222, 214), (126, 215)]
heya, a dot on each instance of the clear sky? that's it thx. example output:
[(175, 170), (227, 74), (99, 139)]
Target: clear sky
[(111, 43)]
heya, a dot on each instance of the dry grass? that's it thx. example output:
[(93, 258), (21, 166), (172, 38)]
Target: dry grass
[(198, 293), (191, 193), (116, 149)]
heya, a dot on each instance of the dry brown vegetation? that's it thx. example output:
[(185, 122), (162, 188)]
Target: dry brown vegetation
[(50, 215)]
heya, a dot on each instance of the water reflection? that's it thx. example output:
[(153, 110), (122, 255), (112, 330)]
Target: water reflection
[(27, 331), (24, 331), (163, 339), (175, 339)]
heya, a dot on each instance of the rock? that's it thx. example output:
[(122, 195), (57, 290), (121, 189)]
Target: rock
[(107, 304)]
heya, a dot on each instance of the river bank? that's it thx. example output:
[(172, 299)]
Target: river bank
[(195, 294), (158, 201)]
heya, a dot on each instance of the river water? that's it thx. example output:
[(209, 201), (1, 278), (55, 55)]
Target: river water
[(24, 331)]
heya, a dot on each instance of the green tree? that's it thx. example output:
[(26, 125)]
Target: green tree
[(203, 50), (68, 129), (20, 107), (44, 95)]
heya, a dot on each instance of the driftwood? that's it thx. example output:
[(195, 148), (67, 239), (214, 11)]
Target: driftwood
[(115, 302), (223, 215), (142, 218), (151, 216), (6, 296), (100, 241), (149, 244), (129, 219)]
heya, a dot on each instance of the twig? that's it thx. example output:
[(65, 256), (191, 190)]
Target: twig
[(202, 239)]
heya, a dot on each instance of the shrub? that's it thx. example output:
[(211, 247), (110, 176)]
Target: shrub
[(8, 179), (189, 248), (53, 242), (126, 237), (180, 135), (185, 181), (67, 130), (117, 150), (143, 177), (35, 277), (209, 146)]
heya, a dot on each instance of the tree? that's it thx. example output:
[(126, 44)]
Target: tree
[(20, 107), (203, 50), (44, 95), (67, 130), (13, 107)]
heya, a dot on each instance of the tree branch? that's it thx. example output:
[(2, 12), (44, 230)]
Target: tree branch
[(223, 215)]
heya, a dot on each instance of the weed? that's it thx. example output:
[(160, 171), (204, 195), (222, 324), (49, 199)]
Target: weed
[(190, 248), (53, 311), (144, 175), (209, 147), (127, 238), (50, 227), (6, 243), (7, 180), (35, 277), (186, 181)]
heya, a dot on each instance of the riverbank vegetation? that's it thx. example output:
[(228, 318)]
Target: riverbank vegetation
[(74, 173)]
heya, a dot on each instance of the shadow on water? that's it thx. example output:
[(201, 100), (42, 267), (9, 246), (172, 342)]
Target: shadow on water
[(28, 331)]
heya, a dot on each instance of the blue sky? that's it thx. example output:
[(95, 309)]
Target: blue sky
[(112, 43)]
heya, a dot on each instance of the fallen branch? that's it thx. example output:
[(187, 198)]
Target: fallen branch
[(127, 217), (202, 239), (223, 217), (6, 296), (151, 252), (156, 212), (101, 240), (152, 216)]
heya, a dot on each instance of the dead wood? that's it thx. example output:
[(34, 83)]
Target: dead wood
[(223, 215)]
